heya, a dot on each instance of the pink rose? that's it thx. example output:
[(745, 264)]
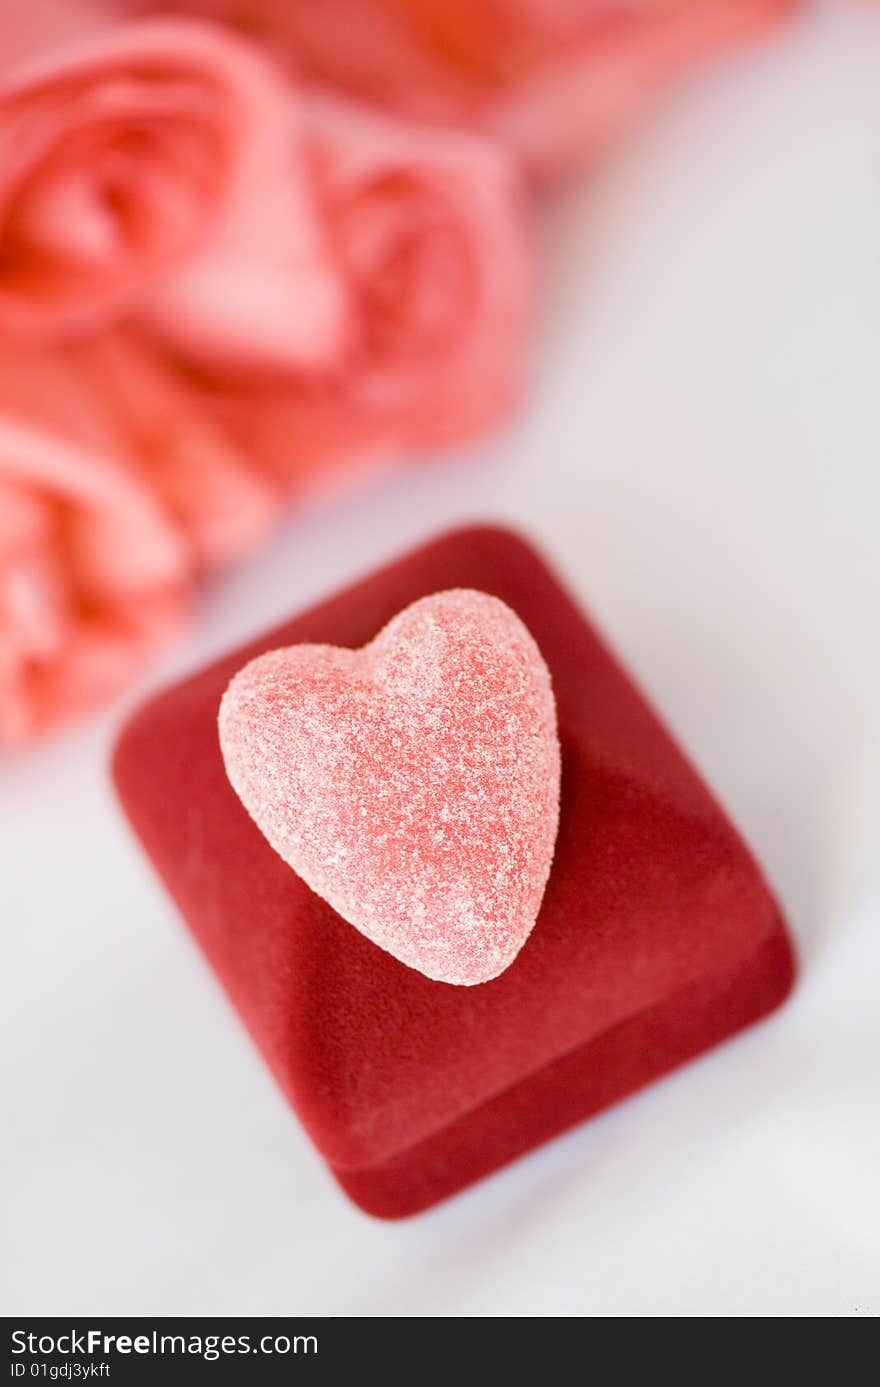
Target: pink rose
[(220, 503), (93, 574), (554, 78), (430, 230), (144, 166), (592, 76), (28, 27), (114, 492)]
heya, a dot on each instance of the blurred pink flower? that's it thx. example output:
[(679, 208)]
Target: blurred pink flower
[(147, 165), (430, 228), (555, 78), (93, 573), (574, 83), (215, 293), (114, 492), (220, 502), (31, 26)]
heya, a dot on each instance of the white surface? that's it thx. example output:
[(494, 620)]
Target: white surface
[(702, 457)]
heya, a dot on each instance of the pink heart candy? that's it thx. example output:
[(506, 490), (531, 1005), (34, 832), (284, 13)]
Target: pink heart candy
[(413, 784)]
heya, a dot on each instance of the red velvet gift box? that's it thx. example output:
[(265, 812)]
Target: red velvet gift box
[(657, 937)]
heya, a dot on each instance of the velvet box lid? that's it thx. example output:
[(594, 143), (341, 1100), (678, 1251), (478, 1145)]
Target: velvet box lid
[(657, 936)]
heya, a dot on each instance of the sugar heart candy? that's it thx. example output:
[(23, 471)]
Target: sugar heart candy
[(414, 783)]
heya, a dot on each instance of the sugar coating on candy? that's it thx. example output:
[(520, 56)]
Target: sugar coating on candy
[(414, 783)]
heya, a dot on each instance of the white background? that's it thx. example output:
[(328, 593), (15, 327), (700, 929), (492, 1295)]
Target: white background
[(701, 455)]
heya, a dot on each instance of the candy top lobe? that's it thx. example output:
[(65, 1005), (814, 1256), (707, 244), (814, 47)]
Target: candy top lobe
[(413, 784)]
